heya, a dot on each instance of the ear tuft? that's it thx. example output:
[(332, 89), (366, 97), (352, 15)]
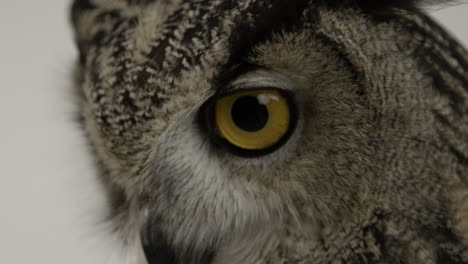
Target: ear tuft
[(78, 7)]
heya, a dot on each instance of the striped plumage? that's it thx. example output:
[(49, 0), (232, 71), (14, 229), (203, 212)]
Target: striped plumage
[(376, 171)]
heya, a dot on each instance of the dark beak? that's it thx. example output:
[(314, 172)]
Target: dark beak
[(158, 250)]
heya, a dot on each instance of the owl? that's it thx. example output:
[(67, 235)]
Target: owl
[(274, 132)]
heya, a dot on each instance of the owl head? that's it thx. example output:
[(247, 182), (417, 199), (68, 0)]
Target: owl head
[(251, 131)]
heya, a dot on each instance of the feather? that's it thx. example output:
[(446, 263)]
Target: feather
[(405, 4)]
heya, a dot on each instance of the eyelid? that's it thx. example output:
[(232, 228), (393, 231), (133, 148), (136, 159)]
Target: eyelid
[(261, 78)]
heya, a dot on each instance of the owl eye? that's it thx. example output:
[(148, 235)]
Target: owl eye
[(251, 121)]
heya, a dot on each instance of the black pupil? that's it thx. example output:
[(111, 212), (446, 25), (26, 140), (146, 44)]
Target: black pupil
[(249, 114)]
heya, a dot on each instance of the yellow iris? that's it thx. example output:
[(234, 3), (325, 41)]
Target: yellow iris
[(253, 120)]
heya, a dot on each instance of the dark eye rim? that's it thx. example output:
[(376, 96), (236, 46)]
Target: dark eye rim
[(208, 123)]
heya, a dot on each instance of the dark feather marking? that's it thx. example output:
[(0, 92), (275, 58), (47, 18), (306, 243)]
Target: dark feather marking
[(442, 64), (445, 258), (449, 45), (461, 157), (431, 59), (283, 18), (452, 252), (455, 99)]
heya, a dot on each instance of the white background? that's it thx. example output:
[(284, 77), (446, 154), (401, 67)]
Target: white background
[(49, 204)]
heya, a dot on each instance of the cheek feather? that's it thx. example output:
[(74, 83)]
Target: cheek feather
[(213, 211)]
